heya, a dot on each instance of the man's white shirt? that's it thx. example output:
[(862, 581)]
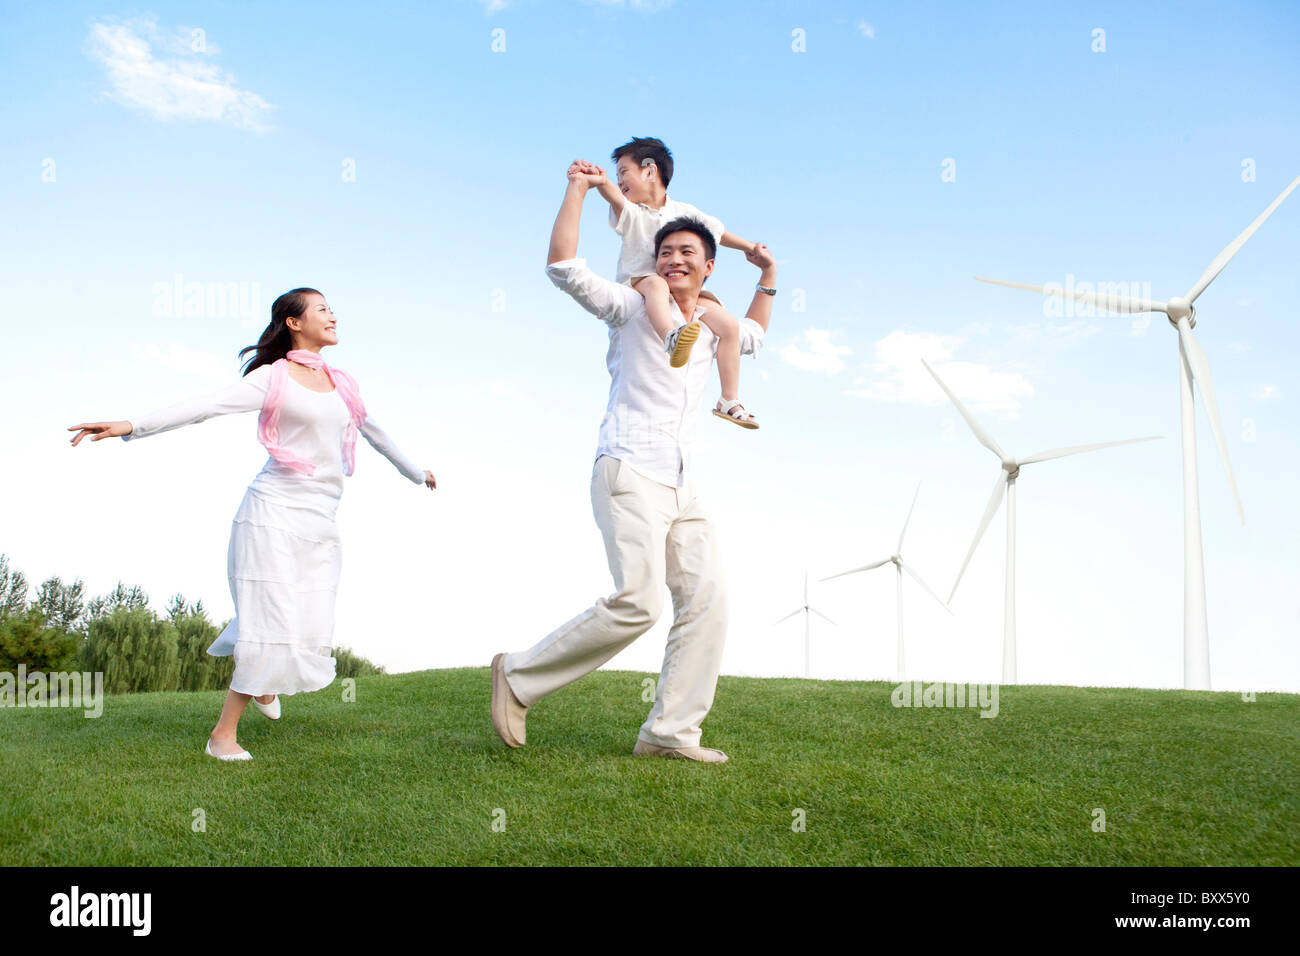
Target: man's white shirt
[(638, 223), (653, 408)]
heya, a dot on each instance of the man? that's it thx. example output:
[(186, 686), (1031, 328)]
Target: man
[(642, 495)]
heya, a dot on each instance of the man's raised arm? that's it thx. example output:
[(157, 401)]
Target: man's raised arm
[(760, 307), (608, 301), (564, 234)]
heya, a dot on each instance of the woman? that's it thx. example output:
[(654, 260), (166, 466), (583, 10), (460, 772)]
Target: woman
[(283, 562)]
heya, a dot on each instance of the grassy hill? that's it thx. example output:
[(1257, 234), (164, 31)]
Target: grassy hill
[(411, 773)]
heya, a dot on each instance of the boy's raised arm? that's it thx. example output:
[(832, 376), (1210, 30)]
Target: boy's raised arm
[(733, 241), (596, 177)]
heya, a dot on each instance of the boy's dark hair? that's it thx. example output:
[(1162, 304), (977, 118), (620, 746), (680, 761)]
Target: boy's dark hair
[(688, 224), (646, 147)]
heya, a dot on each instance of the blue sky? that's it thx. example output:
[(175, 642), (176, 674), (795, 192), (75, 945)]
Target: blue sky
[(224, 168)]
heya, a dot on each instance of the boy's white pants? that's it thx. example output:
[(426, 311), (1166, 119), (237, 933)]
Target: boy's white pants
[(654, 535)]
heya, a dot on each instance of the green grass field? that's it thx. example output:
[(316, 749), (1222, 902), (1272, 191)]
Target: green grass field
[(412, 773)]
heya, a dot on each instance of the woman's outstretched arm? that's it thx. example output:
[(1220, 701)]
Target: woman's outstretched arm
[(381, 443), (246, 395)]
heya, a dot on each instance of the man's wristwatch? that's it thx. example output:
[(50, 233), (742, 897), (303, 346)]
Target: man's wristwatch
[(762, 288)]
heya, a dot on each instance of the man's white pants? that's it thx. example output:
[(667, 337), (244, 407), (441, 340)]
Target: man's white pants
[(654, 535)]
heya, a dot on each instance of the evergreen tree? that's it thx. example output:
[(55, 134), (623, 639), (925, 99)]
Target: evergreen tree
[(63, 605), (26, 639), (13, 590)]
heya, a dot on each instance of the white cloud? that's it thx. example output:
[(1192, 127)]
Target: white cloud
[(897, 375), (180, 87), (494, 6), (1265, 393), (821, 355), (866, 29), (1239, 346)]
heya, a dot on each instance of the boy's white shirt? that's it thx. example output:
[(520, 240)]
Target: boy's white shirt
[(638, 223), (653, 409)]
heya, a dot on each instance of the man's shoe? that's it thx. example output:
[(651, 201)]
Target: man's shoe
[(702, 754), (507, 712)]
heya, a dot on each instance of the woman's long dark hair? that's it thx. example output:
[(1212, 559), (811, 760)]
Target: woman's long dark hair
[(276, 339)]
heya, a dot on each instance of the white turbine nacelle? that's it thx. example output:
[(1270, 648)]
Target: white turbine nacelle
[(1193, 368), (1179, 308)]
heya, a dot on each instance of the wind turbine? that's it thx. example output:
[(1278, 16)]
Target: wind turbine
[(897, 560), (1006, 482), (806, 611), (1192, 367)]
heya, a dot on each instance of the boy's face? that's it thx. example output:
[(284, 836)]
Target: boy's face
[(636, 182), (682, 263)]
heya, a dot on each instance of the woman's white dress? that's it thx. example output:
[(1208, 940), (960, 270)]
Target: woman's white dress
[(284, 557)]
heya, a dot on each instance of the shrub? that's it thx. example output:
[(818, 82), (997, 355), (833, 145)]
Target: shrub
[(26, 639), (194, 635), (348, 664), (136, 651)]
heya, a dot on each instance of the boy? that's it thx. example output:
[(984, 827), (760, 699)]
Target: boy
[(638, 206)]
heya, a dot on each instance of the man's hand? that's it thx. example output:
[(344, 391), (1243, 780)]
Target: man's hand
[(761, 256), (429, 481), (586, 174)]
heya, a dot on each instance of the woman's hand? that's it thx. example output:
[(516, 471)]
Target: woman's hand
[(100, 430), (429, 480)]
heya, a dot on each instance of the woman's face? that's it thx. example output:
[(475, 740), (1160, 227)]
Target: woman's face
[(315, 328)]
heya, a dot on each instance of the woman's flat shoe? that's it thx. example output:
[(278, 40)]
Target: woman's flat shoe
[(242, 755), (272, 709)]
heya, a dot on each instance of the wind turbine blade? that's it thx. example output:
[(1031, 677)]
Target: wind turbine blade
[(899, 549), (865, 567), (916, 577), (1200, 368), (994, 500), (1078, 449), (788, 616), (984, 437), (823, 617), (1226, 255), (1107, 301)]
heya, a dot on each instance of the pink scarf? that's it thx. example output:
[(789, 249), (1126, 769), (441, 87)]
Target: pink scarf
[(268, 422)]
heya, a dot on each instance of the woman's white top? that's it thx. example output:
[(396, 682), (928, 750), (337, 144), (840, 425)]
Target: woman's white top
[(312, 424)]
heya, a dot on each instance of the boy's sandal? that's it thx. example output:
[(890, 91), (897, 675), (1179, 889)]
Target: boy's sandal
[(745, 419), (679, 341)]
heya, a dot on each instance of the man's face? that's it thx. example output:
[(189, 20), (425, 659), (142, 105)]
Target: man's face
[(682, 262), (635, 181)]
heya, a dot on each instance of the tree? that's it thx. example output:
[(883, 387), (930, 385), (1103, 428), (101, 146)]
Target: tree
[(25, 639), (63, 605), (120, 597), (134, 650), (13, 590)]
